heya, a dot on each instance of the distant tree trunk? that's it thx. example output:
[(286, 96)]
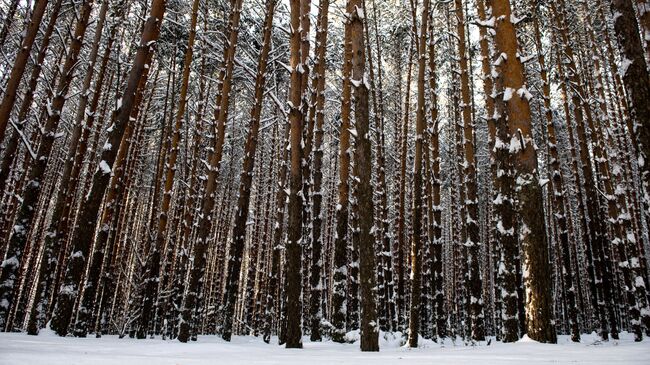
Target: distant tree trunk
[(557, 189), (12, 144), (470, 219), (597, 240), (437, 249), (306, 106), (386, 300), (116, 193), (155, 191), (400, 268), (152, 269), (272, 306)]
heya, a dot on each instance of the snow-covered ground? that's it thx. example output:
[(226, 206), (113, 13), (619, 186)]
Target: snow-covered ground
[(18, 349)]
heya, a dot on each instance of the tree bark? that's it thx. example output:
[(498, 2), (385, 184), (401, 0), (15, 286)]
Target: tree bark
[(32, 193), (236, 250), (120, 119), (318, 113), (205, 225), (18, 68), (418, 206), (531, 230)]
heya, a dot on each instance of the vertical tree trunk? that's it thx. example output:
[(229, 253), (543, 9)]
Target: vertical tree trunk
[(83, 233), (363, 160), (318, 113), (272, 305), (470, 219), (152, 269), (416, 235), (597, 240), (558, 189), (236, 249), (401, 208), (339, 286), (386, 300), (205, 225), (438, 240), (531, 230), (294, 228)]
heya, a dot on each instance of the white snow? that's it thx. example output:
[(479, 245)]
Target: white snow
[(625, 64), (507, 94), (103, 166), (487, 23), (47, 348)]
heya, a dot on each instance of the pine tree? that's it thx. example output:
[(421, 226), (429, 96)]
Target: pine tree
[(31, 195), (317, 112), (531, 230), (204, 227), (416, 244), (235, 254), (83, 232), (20, 62)]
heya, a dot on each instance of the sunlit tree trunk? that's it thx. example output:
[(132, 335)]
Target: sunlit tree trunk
[(531, 230)]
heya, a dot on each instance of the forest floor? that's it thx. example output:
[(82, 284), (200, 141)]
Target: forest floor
[(18, 349)]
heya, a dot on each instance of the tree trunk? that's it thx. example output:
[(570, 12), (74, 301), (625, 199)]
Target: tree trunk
[(31, 195), (318, 113), (418, 206), (634, 71), (363, 160), (340, 277), (205, 225), (557, 189), (120, 118), (18, 68), (531, 230), (236, 249), (294, 228), (152, 269), (470, 219)]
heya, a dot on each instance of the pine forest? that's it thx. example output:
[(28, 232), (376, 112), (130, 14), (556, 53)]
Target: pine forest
[(337, 171)]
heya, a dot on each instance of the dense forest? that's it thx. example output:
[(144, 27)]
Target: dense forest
[(286, 168)]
